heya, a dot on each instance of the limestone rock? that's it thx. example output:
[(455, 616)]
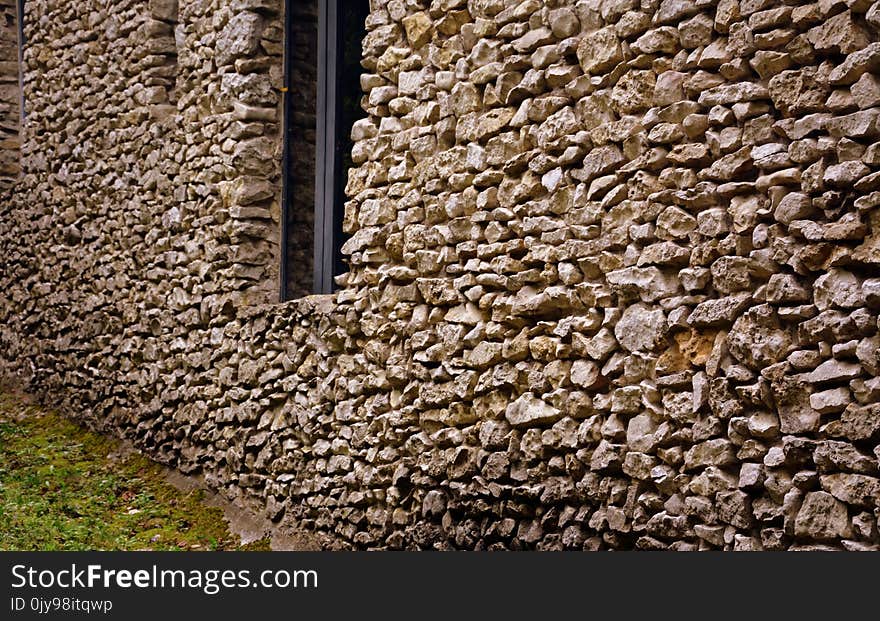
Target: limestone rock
[(675, 223), (730, 274), (862, 124), (757, 339), (650, 283), (786, 289), (792, 398), (733, 93), (730, 166), (674, 10), (794, 206), (838, 288), (821, 516), (586, 374), (866, 91), (564, 22), (419, 29), (720, 312), (664, 39), (830, 401), (854, 489), (718, 452), (831, 455), (640, 328), (798, 92), (607, 457), (834, 371), (841, 33), (529, 411), (599, 51), (860, 422), (634, 91), (600, 161), (640, 433), (856, 64), (240, 37)]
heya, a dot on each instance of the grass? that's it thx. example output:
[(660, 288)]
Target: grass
[(63, 487)]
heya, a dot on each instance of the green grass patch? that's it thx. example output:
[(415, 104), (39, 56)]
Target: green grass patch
[(63, 487)]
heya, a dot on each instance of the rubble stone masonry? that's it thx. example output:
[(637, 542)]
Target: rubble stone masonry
[(613, 267)]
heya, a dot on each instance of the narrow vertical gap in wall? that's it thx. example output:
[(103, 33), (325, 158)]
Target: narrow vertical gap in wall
[(19, 7), (351, 26), (328, 51), (162, 32), (300, 104), (323, 101), (11, 101)]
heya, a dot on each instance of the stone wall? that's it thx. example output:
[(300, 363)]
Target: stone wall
[(613, 269), (10, 95)]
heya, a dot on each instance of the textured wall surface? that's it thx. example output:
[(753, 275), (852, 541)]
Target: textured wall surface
[(614, 268)]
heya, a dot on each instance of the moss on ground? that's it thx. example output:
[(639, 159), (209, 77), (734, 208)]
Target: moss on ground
[(63, 487)]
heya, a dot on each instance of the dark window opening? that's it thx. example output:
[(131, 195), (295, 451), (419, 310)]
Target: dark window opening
[(21, 43), (165, 35), (323, 100), (11, 92), (300, 107)]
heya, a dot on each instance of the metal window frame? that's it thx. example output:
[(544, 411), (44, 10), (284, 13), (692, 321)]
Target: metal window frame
[(328, 169), (328, 165), (19, 5)]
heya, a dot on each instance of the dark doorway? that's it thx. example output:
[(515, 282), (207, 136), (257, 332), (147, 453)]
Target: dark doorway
[(323, 102)]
